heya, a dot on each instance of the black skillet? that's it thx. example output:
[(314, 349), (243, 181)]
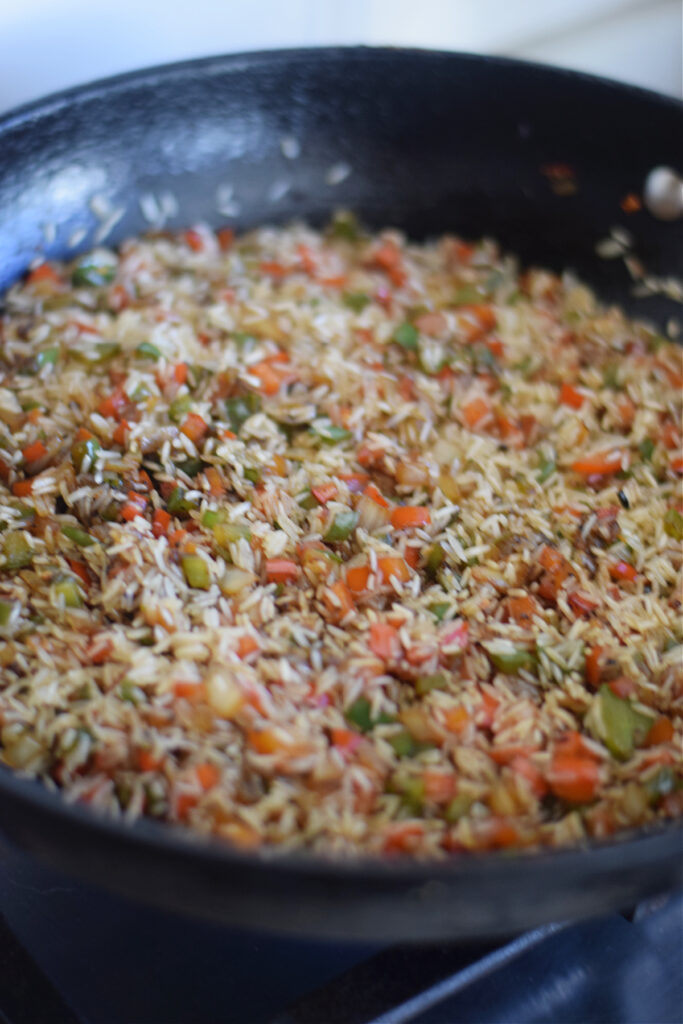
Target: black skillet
[(430, 142)]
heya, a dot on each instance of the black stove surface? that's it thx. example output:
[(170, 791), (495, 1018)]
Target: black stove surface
[(71, 954)]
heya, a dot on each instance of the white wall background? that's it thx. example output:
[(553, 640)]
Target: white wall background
[(50, 44)]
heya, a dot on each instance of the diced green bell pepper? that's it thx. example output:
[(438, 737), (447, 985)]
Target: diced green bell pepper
[(178, 504), (66, 588), (240, 409), (510, 659), (84, 453), (17, 551), (179, 408), (131, 693), (439, 610), (357, 301), (196, 572), (673, 523), (94, 270), (406, 336), (48, 357), (435, 681), (6, 609), (146, 350), (616, 723), (78, 536), (458, 808), (328, 432), (100, 352), (342, 526)]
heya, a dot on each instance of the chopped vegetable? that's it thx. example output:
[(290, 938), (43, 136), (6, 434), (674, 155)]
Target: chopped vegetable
[(439, 610), (384, 642), (95, 270), (131, 693), (408, 516), (196, 572), (179, 408), (475, 412), (357, 301), (48, 357), (617, 723), (178, 503), (623, 571), (646, 449), (406, 336), (190, 467), (95, 355), (403, 743), (194, 427), (34, 452), (507, 658), (574, 778), (358, 714), (571, 396), (662, 731), (78, 536), (84, 454), (6, 610), (17, 552), (234, 581), (344, 225), (357, 578), (134, 507), (435, 681), (328, 432), (146, 350), (458, 807), (67, 590), (673, 523), (546, 469), (161, 521), (393, 567), (342, 526), (467, 295), (281, 570), (602, 463), (240, 409), (231, 533)]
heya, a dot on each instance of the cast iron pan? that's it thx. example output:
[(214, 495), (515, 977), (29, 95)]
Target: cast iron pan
[(429, 142)]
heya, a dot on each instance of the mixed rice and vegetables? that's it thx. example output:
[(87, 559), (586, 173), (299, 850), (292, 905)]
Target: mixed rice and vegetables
[(330, 540)]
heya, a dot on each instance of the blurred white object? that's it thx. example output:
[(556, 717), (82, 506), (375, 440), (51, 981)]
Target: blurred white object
[(47, 45), (664, 193)]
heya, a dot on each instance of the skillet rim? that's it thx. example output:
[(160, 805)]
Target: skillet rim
[(215, 63), (631, 848)]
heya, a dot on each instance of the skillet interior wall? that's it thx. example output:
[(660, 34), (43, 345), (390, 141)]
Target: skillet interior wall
[(433, 143)]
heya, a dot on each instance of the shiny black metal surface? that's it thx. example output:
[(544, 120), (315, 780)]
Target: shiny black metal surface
[(70, 954), (433, 142), (623, 968)]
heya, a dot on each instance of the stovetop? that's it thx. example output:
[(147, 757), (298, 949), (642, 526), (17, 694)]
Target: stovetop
[(72, 954)]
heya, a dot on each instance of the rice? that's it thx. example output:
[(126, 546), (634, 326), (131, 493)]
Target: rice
[(331, 540)]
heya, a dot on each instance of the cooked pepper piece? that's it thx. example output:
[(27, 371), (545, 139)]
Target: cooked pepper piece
[(67, 590), (196, 572), (240, 409), (84, 453), (94, 270), (615, 722), (17, 551), (328, 432), (342, 526), (78, 536)]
